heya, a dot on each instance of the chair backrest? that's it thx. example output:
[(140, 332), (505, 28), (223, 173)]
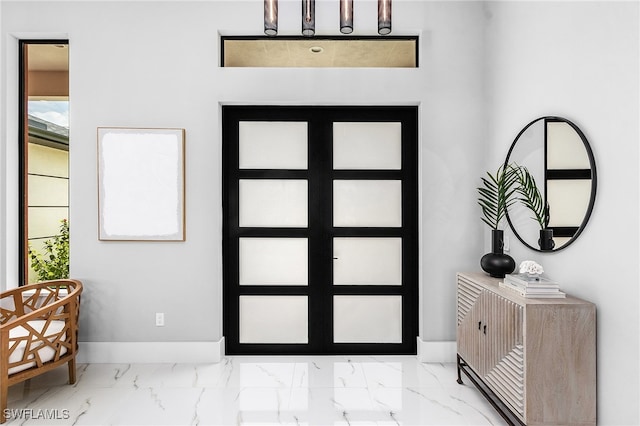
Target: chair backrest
[(24, 300)]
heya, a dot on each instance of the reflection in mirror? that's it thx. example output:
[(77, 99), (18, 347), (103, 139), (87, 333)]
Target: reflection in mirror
[(557, 154)]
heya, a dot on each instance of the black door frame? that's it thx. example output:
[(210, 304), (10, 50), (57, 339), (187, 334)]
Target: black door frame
[(320, 231)]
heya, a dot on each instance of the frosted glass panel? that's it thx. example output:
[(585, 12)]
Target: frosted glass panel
[(568, 201), (273, 203), (367, 146), (367, 203), (272, 145), (565, 149), (367, 261), (274, 261), (560, 241), (273, 319), (367, 319)]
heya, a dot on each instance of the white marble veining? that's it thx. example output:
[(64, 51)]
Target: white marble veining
[(353, 390)]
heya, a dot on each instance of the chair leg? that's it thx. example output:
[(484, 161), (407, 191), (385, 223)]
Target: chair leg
[(4, 390), (72, 371)]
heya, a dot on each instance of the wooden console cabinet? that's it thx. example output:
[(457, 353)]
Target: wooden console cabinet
[(534, 359)]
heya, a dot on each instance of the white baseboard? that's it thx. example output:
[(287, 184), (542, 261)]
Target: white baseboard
[(150, 352), (436, 351), (208, 352)]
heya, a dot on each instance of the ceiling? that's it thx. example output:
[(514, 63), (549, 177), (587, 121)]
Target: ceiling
[(282, 52), (48, 57)]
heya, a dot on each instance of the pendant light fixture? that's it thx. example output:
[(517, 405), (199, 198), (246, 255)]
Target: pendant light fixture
[(346, 16), (308, 18), (271, 17), (384, 17)]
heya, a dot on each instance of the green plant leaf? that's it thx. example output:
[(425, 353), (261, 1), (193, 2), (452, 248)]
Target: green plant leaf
[(496, 194), (54, 263), (531, 198)]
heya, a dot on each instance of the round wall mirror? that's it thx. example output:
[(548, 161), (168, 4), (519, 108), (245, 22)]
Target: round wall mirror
[(558, 157)]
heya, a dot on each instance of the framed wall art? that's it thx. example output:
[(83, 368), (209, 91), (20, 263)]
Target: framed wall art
[(141, 184)]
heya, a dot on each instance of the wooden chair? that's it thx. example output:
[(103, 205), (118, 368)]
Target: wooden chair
[(38, 332)]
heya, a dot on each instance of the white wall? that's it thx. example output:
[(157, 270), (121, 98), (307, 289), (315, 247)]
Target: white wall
[(579, 60), (156, 64), (144, 64)]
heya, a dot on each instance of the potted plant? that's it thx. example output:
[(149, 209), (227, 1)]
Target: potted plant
[(494, 197), (531, 198)]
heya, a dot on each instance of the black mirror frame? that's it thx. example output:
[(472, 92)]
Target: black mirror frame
[(594, 181)]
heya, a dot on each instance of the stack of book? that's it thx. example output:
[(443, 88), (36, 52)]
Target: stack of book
[(529, 286)]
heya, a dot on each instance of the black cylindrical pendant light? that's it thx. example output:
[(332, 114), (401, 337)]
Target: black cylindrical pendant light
[(271, 17), (308, 17), (384, 17), (346, 16)]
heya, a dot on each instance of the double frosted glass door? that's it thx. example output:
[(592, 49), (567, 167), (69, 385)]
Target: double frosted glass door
[(320, 229)]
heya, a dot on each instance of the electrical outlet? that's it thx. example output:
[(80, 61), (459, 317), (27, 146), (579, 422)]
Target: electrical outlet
[(159, 319), (505, 243)]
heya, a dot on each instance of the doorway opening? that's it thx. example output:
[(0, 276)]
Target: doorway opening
[(44, 160), (320, 242)]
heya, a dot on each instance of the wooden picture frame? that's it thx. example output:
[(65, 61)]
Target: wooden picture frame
[(141, 190)]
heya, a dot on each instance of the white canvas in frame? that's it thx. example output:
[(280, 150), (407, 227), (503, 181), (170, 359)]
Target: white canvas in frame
[(141, 184)]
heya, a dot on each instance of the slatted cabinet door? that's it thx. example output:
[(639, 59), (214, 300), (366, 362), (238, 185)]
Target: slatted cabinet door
[(504, 371), (537, 356), (490, 340), (469, 329)]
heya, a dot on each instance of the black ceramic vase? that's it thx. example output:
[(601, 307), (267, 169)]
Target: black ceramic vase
[(546, 242), (496, 263)]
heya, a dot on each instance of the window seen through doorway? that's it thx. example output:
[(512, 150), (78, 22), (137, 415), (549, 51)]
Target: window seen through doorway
[(44, 161)]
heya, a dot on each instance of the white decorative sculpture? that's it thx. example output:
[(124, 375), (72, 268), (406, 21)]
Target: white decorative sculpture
[(531, 268)]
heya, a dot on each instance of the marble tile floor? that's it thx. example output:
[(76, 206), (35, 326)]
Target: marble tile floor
[(349, 390)]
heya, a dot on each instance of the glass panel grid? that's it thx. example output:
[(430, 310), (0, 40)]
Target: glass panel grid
[(272, 145), (273, 203), (367, 261), (367, 203), (367, 146), (367, 191), (568, 201), (273, 319), (367, 319), (565, 148), (274, 261)]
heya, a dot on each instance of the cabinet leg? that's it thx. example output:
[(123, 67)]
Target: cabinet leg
[(458, 365)]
